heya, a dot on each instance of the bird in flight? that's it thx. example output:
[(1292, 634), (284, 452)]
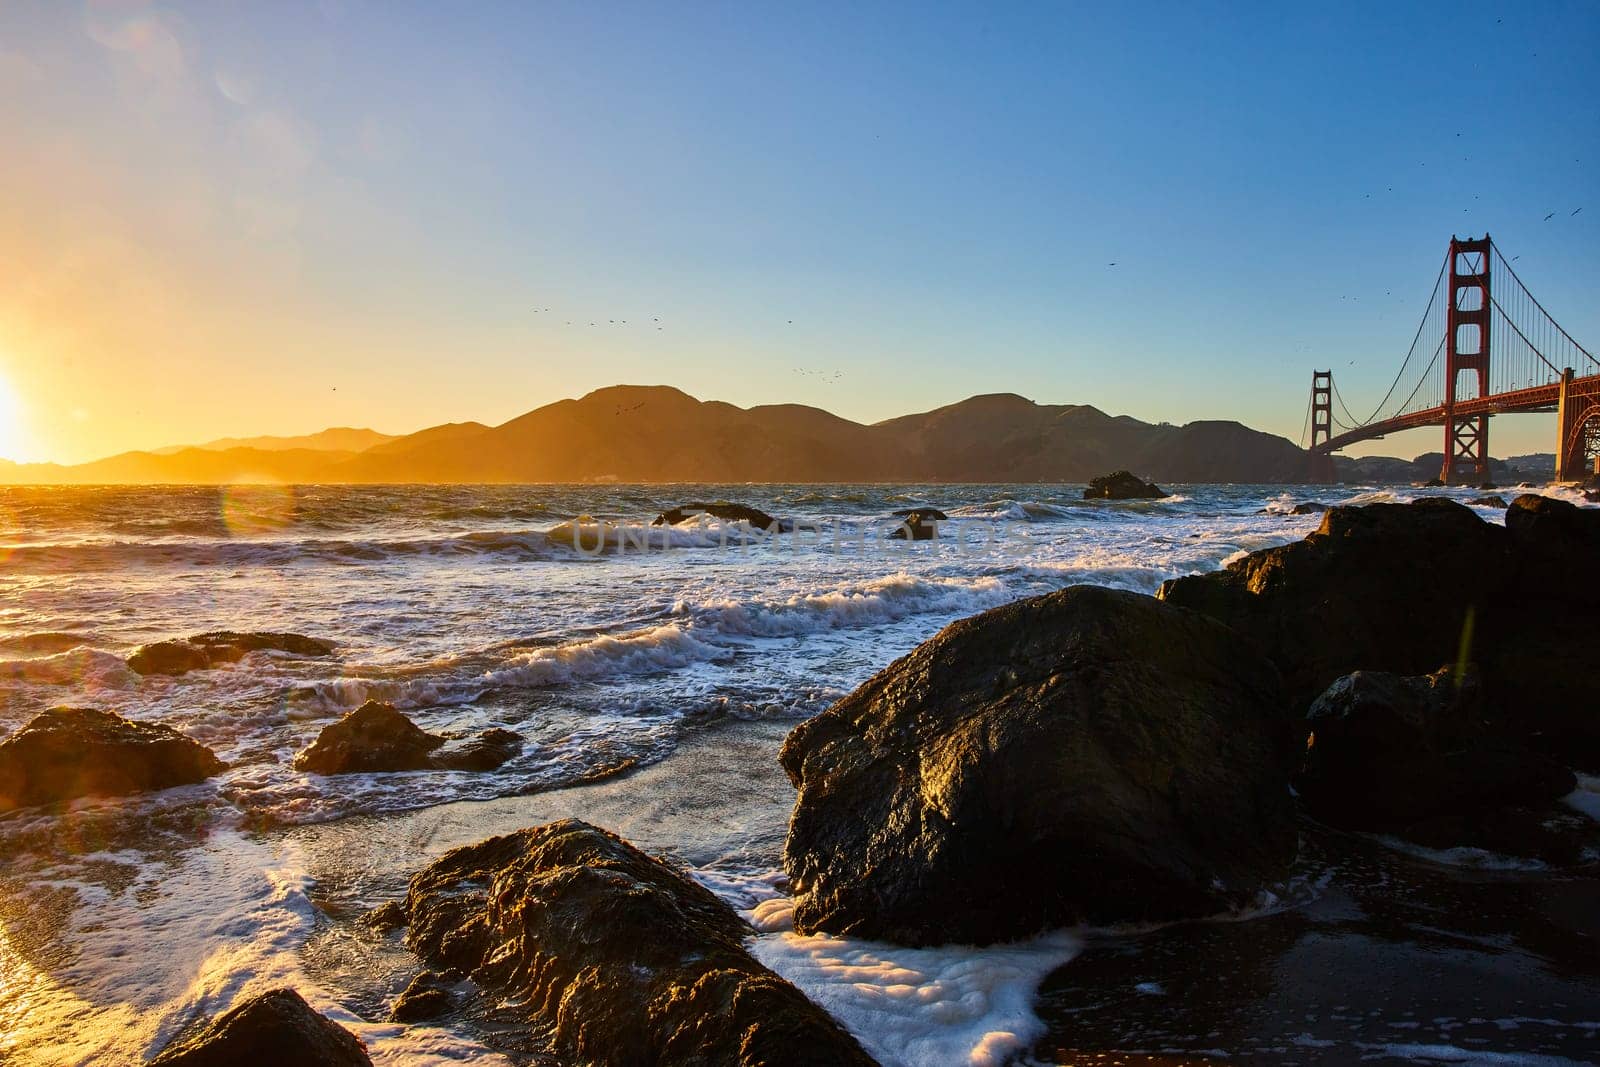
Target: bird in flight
[(1550, 216), (1575, 212)]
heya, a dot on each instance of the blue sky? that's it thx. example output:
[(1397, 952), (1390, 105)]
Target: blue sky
[(347, 213)]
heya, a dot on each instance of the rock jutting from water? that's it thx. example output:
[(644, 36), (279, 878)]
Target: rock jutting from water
[(622, 958), (1121, 485), (720, 509), (918, 524), (377, 738), (67, 753), (273, 1028), (204, 651), (1088, 755)]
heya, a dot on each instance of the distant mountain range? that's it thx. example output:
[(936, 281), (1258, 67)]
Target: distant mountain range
[(660, 434), (334, 439)]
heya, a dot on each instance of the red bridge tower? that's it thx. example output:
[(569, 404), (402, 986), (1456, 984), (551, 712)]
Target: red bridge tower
[(1321, 472), (1466, 440)]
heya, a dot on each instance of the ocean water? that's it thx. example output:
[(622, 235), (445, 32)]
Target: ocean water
[(120, 920)]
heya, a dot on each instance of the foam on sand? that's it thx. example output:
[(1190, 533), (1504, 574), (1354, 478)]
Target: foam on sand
[(917, 1007)]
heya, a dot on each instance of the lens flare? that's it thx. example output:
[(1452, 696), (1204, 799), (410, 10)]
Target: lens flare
[(249, 510)]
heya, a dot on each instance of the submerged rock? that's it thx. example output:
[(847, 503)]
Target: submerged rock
[(1122, 486), (486, 752), (275, 1028), (1387, 752), (73, 752), (213, 649), (1487, 502), (376, 737), (169, 657), (426, 997), (1384, 587), (1309, 507), (1090, 755), (720, 509), (624, 959)]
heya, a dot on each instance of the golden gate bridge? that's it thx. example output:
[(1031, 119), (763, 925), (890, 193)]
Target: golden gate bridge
[(1485, 346)]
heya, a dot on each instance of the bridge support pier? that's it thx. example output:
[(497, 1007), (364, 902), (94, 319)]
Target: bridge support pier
[(1577, 429)]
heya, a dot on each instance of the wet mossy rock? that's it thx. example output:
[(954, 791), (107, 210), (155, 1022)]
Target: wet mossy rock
[(720, 509), (275, 1029), (1122, 485), (377, 738), (203, 651), (67, 753), (625, 960), (1089, 755)]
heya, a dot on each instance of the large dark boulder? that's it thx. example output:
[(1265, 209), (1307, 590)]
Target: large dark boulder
[(1557, 547), (720, 509), (73, 752), (1091, 755), (1542, 652), (624, 959), (1387, 752), (377, 738), (203, 651), (1122, 486), (275, 1029), (1385, 587)]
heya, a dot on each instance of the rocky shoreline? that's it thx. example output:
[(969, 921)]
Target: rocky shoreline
[(1088, 758)]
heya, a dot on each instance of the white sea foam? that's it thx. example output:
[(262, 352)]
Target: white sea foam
[(187, 936), (918, 1007), (1011, 510), (1436, 1052), (659, 648), (1586, 798), (869, 603), (86, 667)]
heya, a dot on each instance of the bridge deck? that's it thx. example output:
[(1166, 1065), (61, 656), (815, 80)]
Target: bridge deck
[(1538, 398)]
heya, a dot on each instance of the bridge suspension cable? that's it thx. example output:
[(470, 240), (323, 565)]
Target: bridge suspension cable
[(1530, 348), (1432, 325), (1536, 349)]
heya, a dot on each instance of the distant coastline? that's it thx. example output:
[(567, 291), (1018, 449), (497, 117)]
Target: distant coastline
[(658, 434)]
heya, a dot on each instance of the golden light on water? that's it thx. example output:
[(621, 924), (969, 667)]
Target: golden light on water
[(257, 509)]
